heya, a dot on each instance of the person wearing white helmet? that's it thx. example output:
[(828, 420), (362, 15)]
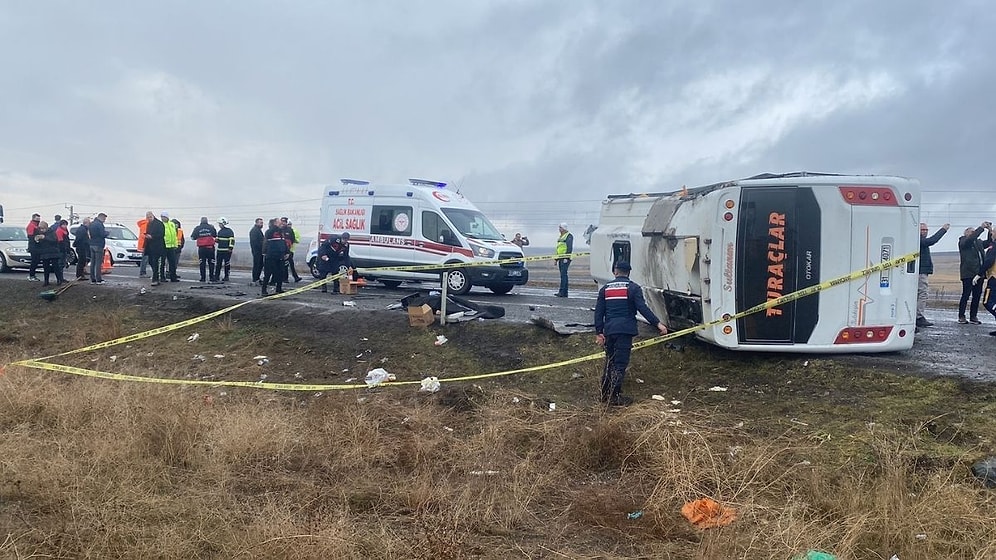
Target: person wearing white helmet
[(226, 244)]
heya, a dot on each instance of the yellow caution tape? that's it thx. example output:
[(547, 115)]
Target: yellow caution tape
[(41, 364)]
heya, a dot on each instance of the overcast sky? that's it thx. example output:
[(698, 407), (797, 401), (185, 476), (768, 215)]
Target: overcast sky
[(245, 108)]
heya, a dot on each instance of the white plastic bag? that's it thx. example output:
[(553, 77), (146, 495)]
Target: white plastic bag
[(377, 376), (429, 385)]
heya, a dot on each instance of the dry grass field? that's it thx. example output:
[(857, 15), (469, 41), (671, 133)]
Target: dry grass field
[(813, 454)]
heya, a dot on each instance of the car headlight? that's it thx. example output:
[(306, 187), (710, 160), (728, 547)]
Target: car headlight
[(482, 251)]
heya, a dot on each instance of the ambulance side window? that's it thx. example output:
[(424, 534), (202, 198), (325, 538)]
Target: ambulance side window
[(391, 220), (435, 229)]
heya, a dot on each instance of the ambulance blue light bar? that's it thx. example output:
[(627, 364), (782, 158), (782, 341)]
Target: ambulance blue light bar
[(427, 183), (354, 182)]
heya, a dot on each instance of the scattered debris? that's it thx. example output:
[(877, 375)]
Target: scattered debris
[(348, 303), (576, 375), (985, 471), (441, 340), (259, 357), (429, 385), (199, 357), (658, 397), (447, 428), (298, 375), (350, 380), (193, 337), (262, 377), (706, 513), (718, 389), (553, 406), (377, 376), (113, 358), (638, 380), (219, 356), (815, 555), (634, 514), (561, 327), (483, 473), (799, 422), (263, 362), (515, 400), (142, 291)]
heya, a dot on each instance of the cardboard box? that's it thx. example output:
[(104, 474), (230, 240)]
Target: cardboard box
[(421, 316), (346, 287)]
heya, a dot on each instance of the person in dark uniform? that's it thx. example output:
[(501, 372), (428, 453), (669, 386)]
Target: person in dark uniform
[(275, 249), (226, 244), (333, 254), (615, 325), (256, 244)]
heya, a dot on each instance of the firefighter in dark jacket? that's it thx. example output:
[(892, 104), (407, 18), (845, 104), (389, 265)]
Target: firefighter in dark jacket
[(275, 251), (615, 325), (226, 244), (333, 255)]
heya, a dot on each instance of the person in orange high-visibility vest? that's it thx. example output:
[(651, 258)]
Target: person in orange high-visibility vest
[(143, 267)]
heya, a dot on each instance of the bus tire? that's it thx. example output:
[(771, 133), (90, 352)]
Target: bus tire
[(501, 289), (313, 265), (458, 282)]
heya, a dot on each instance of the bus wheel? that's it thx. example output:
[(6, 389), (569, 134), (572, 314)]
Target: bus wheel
[(313, 265), (457, 282), (501, 289)]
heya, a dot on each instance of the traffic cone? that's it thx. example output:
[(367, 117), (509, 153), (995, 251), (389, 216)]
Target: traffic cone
[(106, 267)]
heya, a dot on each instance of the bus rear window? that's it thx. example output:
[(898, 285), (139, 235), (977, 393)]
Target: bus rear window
[(778, 252)]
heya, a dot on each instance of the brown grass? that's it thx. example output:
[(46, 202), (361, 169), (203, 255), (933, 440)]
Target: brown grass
[(95, 470), (821, 456)]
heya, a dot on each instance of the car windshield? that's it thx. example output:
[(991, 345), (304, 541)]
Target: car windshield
[(13, 233), (118, 232), (472, 223)]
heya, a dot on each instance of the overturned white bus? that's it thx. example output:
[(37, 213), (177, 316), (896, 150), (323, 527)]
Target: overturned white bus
[(710, 252)]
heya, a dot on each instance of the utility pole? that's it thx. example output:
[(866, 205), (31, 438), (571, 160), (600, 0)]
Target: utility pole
[(73, 218)]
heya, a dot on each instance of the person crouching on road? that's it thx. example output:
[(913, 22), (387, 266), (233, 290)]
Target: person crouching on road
[(333, 255), (275, 251), (615, 325)]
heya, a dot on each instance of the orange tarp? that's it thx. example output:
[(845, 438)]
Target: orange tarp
[(706, 513)]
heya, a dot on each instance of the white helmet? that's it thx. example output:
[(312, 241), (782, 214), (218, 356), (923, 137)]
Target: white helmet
[(222, 221)]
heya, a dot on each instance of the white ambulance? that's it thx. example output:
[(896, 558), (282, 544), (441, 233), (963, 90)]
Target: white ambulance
[(421, 223)]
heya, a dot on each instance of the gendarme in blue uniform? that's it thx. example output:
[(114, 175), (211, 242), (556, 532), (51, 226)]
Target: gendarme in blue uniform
[(615, 317)]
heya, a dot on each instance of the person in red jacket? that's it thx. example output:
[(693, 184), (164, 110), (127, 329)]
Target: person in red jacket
[(31, 229)]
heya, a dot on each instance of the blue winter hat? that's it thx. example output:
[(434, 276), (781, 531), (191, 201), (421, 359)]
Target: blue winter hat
[(623, 266)]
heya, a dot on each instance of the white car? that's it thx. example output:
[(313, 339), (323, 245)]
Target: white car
[(13, 248), (121, 242)]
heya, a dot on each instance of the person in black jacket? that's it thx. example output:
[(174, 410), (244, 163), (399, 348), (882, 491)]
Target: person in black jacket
[(275, 251), (926, 269), (333, 254), (615, 327), (226, 244), (47, 241), (256, 244), (155, 247), (82, 246), (970, 251)]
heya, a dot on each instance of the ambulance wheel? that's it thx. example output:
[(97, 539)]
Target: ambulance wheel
[(458, 283), (392, 284), (501, 289), (313, 265)]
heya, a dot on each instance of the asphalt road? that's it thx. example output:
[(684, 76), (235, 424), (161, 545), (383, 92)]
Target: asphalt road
[(946, 349)]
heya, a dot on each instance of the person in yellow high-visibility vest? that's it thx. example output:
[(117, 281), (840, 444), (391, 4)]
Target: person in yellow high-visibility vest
[(565, 246)]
